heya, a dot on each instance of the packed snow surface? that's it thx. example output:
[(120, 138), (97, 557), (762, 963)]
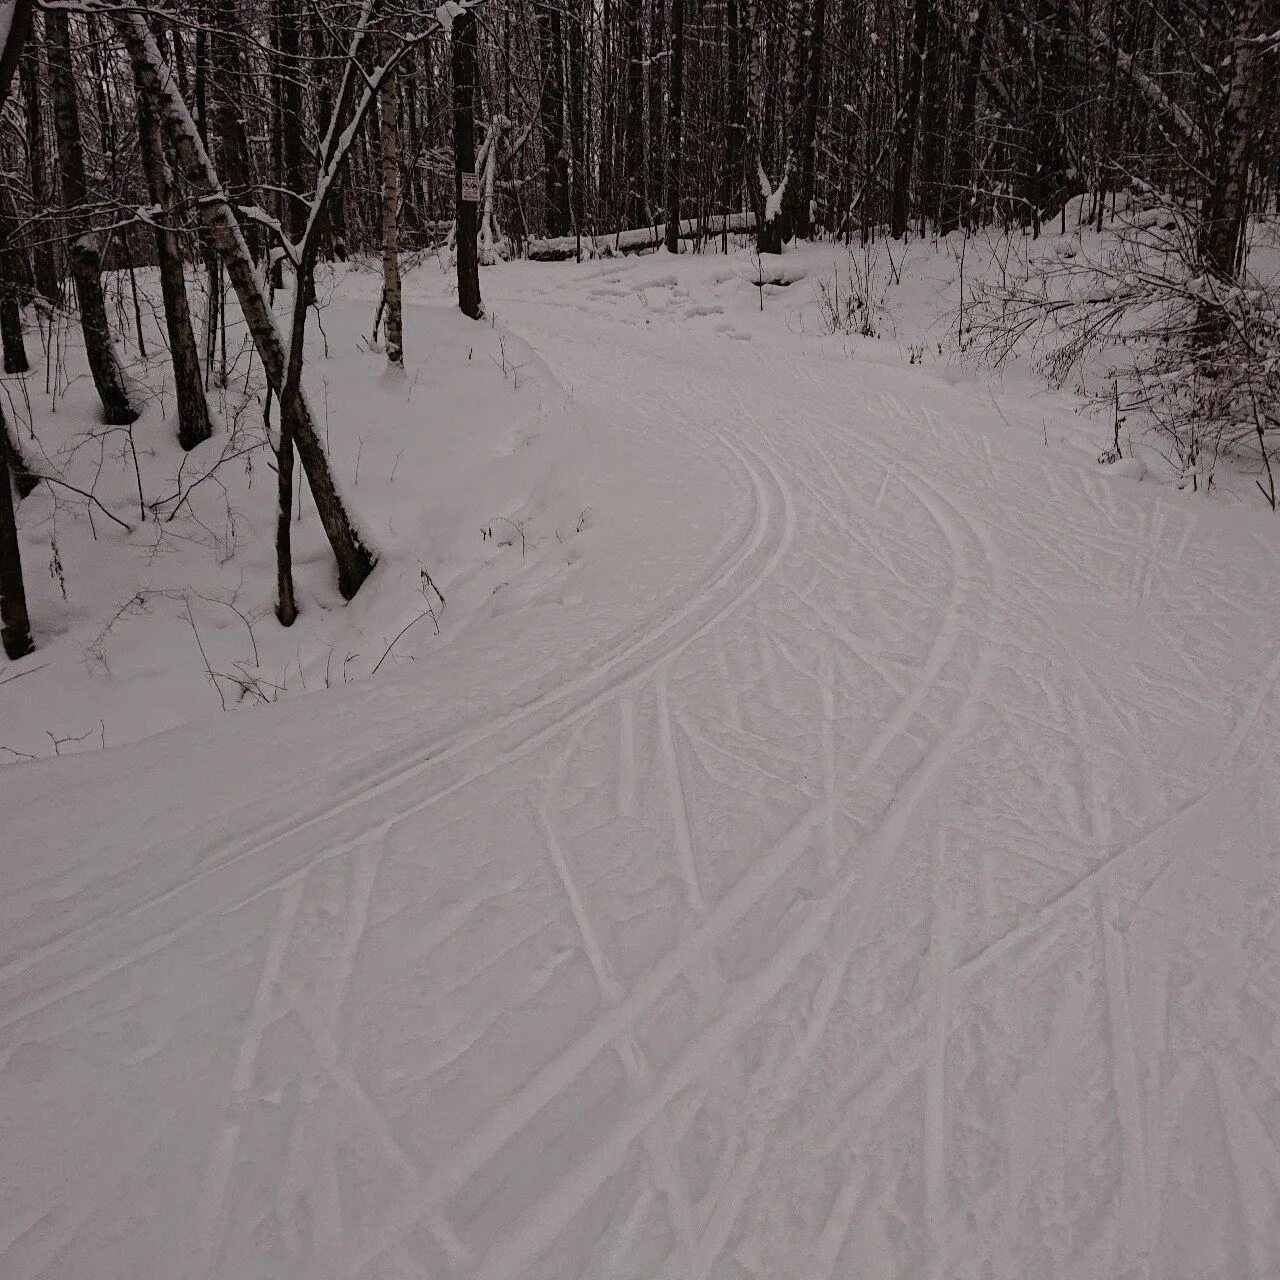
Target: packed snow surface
[(852, 853)]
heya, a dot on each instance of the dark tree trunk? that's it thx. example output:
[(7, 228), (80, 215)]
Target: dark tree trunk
[(577, 150), (675, 127), (649, 185), (959, 206), (286, 601), (15, 351), (293, 163), (735, 127), (389, 145), (46, 271), (908, 118), (798, 219), (193, 409), (464, 156), (290, 403), (15, 276), (228, 88), (551, 111), (278, 130), (636, 208), (605, 166), (15, 627), (24, 479), (108, 377), (323, 47), (934, 123)]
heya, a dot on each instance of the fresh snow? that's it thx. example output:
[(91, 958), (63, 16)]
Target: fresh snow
[(841, 842)]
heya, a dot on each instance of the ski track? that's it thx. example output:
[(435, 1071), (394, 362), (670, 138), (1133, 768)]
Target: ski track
[(860, 921)]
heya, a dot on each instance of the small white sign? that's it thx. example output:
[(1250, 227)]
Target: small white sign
[(470, 189)]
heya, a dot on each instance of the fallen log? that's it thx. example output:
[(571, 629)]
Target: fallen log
[(637, 240)]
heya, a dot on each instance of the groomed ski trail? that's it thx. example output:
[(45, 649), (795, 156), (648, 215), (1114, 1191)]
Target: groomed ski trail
[(896, 895)]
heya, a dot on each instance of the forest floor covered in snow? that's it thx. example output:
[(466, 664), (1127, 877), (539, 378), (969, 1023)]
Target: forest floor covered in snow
[(818, 823)]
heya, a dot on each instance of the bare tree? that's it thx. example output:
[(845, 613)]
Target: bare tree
[(354, 559), (15, 626), (193, 410), (466, 188), (388, 129), (83, 249)]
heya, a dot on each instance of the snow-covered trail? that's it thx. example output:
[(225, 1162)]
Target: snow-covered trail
[(888, 886)]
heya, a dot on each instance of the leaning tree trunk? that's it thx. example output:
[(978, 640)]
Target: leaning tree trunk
[(193, 410), (390, 148), (675, 127), (466, 203), (355, 560), (15, 628), (1220, 240), (108, 377), (908, 117)]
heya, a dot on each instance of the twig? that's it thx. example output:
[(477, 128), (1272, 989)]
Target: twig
[(392, 645), (84, 493), (17, 675)]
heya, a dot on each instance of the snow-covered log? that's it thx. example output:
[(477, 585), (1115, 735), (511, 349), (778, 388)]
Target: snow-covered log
[(638, 240)]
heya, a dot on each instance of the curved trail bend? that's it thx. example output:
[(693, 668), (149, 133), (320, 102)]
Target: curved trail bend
[(899, 898)]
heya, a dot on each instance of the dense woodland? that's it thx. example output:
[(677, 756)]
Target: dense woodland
[(241, 142)]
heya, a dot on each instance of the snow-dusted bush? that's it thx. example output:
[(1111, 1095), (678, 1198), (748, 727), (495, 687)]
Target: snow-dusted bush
[(855, 301), (1193, 354)]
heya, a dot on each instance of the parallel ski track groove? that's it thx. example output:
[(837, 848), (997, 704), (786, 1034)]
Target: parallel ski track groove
[(773, 523), (540, 1224)]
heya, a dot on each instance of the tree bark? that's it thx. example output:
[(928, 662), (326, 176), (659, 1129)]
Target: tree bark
[(635, 203), (735, 126), (19, 28), (1220, 240), (675, 127), (959, 205), (463, 36), (15, 627), (104, 366), (390, 148), (798, 218), (193, 410), (13, 269), (355, 561), (46, 271), (228, 89), (15, 351), (908, 118), (551, 110), (649, 187), (24, 479)]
